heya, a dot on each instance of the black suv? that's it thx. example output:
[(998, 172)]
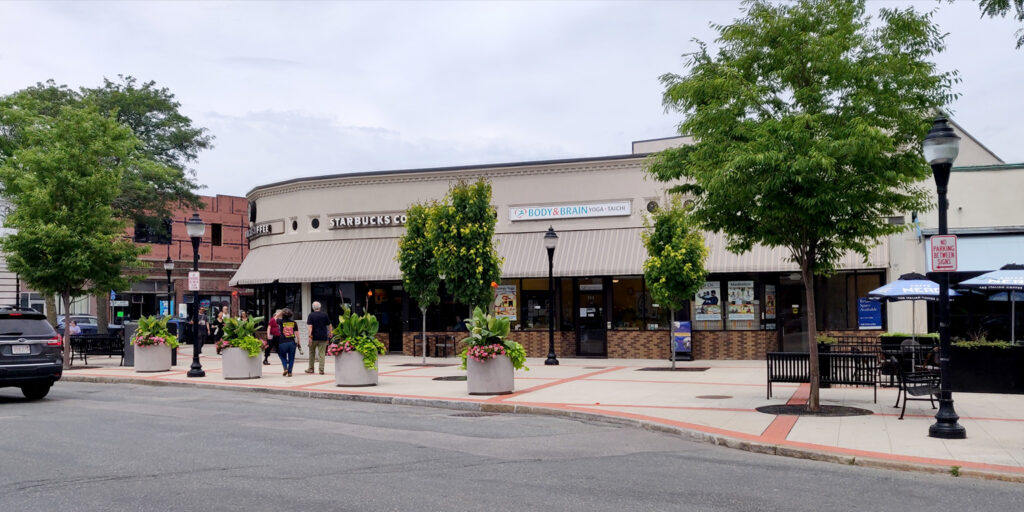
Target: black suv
[(31, 355)]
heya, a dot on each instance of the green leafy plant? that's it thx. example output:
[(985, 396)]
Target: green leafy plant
[(242, 334), (983, 343), (826, 340), (152, 331), (359, 334), (486, 331)]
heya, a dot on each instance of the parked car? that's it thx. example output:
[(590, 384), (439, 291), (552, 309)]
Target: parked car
[(31, 356)]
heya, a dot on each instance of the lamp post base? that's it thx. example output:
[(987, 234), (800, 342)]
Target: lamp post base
[(552, 360), (946, 426)]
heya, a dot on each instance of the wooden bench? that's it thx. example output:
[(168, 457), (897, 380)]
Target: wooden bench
[(852, 369), (86, 345)]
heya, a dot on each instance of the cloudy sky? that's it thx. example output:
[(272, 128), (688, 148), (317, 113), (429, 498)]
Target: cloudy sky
[(301, 89)]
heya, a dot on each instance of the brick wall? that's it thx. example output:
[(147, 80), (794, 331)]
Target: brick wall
[(639, 345), (733, 344)]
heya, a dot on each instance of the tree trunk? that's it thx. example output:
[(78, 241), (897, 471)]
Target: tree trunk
[(66, 300), (424, 339), (671, 334), (102, 311), (813, 401), (51, 308)]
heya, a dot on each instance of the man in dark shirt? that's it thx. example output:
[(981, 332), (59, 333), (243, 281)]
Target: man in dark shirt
[(319, 332)]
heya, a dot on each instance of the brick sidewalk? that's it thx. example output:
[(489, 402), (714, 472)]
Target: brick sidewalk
[(715, 402)]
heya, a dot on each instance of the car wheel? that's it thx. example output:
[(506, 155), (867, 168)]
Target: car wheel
[(35, 391)]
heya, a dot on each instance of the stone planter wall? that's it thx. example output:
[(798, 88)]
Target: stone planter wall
[(349, 371), (494, 376), (238, 365), (152, 358)]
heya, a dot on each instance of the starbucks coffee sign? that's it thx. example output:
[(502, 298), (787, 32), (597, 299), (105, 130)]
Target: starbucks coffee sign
[(368, 221), (259, 230)]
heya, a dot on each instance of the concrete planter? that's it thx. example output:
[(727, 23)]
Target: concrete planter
[(494, 376), (349, 371), (238, 365), (152, 358)]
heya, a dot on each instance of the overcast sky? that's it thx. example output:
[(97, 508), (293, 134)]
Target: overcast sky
[(304, 89)]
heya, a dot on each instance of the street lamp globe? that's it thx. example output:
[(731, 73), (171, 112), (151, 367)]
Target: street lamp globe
[(169, 264), (195, 226), (550, 238), (942, 144)]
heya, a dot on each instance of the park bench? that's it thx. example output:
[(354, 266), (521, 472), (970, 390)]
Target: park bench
[(847, 368), (85, 345), (921, 385)]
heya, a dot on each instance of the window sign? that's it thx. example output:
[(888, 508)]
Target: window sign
[(769, 302), (869, 314), (707, 300), (741, 300), (682, 340), (505, 302)]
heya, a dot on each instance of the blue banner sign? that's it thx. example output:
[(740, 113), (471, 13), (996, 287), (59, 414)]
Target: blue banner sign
[(682, 340), (869, 314)]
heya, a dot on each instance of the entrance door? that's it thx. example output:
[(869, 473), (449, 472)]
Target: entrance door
[(790, 306), (591, 327)]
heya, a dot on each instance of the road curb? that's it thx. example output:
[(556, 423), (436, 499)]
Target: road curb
[(505, 408)]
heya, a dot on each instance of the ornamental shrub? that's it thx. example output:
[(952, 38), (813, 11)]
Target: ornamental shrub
[(152, 331), (357, 333)]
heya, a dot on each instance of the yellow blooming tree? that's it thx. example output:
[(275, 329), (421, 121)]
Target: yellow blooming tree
[(463, 243), (674, 269)]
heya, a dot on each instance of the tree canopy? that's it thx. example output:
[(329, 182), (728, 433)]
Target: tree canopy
[(463, 241), (61, 181), (674, 269), (160, 179), (1001, 8), (808, 122)]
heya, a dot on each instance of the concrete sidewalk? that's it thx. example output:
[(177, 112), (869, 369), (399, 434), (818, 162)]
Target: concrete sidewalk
[(713, 401)]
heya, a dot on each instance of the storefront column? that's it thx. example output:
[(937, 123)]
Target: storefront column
[(307, 302)]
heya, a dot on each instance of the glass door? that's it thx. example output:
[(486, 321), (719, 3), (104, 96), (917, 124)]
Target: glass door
[(793, 320), (591, 322)]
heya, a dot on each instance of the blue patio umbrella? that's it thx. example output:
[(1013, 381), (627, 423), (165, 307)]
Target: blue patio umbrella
[(1010, 278), (912, 287)]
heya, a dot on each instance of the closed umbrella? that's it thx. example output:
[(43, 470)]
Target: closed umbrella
[(912, 287), (1009, 278)]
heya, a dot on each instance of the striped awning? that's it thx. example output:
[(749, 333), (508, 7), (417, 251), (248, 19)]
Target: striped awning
[(602, 252)]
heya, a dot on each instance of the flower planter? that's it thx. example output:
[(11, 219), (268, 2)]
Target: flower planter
[(494, 376), (238, 365), (152, 358), (349, 371), (987, 370)]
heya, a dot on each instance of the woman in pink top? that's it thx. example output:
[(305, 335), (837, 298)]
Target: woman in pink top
[(273, 335)]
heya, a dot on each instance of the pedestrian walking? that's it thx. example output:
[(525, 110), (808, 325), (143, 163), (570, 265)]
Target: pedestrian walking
[(319, 325), (203, 322), (273, 335), (217, 326), (289, 341)]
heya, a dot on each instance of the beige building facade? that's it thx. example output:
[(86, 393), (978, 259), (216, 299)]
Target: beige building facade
[(334, 239)]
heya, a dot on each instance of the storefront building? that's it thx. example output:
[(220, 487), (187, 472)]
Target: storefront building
[(334, 239)]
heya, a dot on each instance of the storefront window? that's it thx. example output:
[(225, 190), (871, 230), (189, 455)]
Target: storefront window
[(627, 303), (537, 305), (566, 317), (837, 298), (743, 311), (657, 316)]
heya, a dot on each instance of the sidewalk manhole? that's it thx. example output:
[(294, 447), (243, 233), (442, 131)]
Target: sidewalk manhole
[(826, 410), (714, 397), (668, 369), (451, 377), (473, 414), (430, 365)]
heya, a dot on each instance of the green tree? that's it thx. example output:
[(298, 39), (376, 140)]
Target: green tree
[(1001, 8), (161, 180), (61, 181), (674, 269), (808, 124), (464, 243), (416, 259)]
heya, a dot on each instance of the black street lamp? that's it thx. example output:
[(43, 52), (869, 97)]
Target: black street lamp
[(941, 147), (550, 241), (169, 267), (196, 229)]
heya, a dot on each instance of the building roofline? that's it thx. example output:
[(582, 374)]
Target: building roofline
[(428, 170), (992, 167), (976, 141)]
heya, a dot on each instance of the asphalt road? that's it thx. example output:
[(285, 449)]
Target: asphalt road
[(124, 447)]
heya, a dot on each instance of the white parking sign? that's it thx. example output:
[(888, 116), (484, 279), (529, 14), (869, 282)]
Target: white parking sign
[(193, 281), (944, 253)]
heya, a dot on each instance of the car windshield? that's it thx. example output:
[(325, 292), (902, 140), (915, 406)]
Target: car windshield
[(24, 327)]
